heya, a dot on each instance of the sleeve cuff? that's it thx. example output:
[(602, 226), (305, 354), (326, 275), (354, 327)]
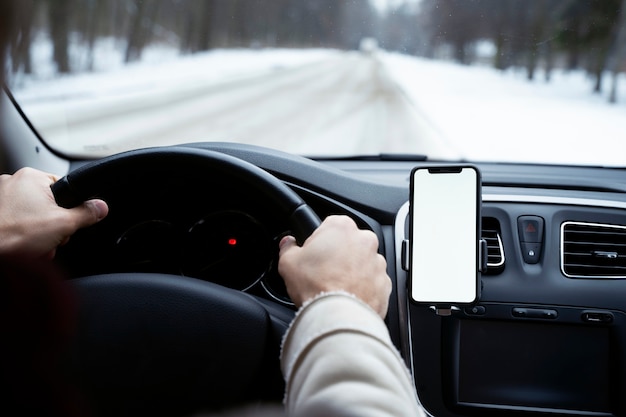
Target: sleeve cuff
[(325, 314)]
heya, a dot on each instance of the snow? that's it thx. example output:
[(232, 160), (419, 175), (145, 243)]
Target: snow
[(160, 67), (485, 114), (500, 116)]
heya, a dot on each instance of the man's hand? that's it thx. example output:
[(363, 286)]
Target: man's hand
[(336, 257), (32, 225)]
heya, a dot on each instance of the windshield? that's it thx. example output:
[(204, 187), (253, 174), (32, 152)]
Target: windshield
[(485, 80)]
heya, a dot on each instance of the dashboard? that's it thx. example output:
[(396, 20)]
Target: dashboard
[(548, 336)]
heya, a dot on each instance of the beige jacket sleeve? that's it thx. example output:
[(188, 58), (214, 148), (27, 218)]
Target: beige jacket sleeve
[(338, 360)]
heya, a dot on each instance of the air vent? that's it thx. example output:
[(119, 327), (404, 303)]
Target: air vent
[(495, 251), (592, 250)]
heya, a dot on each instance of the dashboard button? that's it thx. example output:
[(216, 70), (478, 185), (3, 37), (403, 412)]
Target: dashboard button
[(531, 252), (475, 311), (534, 313), (530, 230)]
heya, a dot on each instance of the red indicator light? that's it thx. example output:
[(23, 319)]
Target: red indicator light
[(232, 242)]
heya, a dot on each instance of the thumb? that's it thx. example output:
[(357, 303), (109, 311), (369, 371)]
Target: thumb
[(90, 212), (286, 244)]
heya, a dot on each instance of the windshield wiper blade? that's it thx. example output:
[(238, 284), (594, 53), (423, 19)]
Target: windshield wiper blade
[(378, 157)]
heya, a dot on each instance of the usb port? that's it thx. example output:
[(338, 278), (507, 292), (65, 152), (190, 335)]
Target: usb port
[(597, 317)]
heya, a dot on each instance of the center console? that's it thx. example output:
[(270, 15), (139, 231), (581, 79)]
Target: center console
[(511, 359), (539, 343)]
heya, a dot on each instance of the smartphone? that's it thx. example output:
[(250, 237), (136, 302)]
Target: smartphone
[(444, 235)]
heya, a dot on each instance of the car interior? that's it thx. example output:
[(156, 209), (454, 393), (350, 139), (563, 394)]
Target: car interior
[(182, 308), (546, 338)]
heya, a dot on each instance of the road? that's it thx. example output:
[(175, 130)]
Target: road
[(343, 105)]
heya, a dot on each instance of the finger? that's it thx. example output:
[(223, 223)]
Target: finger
[(89, 213), (286, 244), (53, 178), (286, 253), (97, 208)]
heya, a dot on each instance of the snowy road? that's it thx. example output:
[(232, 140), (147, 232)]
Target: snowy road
[(344, 104), (329, 103)]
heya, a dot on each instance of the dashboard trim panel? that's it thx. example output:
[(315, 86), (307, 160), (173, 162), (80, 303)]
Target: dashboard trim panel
[(540, 199)]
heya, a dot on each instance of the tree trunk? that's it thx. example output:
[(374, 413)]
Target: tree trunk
[(538, 22), (20, 51), (95, 13), (59, 32), (613, 92), (599, 66), (460, 52), (133, 51), (205, 27), (549, 61), (500, 58), (142, 25), (619, 53)]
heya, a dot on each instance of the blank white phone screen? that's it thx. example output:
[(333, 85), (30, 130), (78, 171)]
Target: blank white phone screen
[(444, 236)]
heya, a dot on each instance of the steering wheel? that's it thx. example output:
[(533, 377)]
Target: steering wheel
[(154, 344)]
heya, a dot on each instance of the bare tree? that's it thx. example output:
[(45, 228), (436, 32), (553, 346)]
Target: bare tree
[(588, 30), (94, 11), (619, 53), (538, 28), (144, 13), (196, 31), (20, 49), (59, 16)]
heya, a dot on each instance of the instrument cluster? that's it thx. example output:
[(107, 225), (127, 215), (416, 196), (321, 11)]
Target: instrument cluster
[(230, 248)]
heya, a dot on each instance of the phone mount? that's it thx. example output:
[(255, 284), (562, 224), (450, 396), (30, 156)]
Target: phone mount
[(441, 309)]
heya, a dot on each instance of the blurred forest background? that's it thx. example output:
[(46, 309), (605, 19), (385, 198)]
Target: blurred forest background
[(537, 36)]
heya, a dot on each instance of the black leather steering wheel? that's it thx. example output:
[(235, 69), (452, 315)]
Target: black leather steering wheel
[(87, 181), (154, 344)]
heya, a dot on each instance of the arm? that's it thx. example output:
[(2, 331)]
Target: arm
[(32, 225), (337, 357)]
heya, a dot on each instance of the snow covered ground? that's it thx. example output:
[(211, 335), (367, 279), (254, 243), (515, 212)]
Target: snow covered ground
[(497, 116), (450, 110)]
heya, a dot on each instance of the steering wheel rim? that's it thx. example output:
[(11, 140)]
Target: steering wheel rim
[(124, 356), (88, 180)]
